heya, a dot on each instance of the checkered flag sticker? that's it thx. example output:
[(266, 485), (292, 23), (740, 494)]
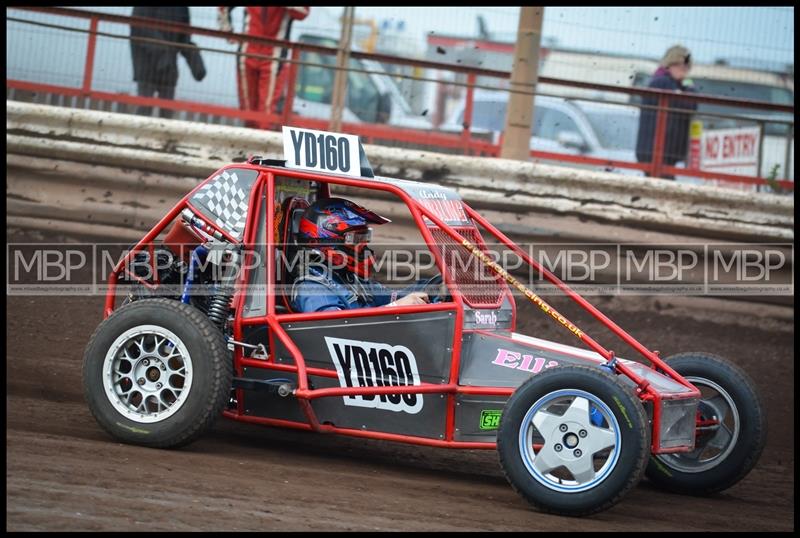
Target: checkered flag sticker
[(224, 200)]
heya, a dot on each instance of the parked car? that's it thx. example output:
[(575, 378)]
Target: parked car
[(371, 97), (600, 130)]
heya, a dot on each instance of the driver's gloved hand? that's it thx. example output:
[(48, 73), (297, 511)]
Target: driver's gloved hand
[(413, 298)]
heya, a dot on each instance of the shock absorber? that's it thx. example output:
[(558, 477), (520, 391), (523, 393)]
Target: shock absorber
[(220, 302)]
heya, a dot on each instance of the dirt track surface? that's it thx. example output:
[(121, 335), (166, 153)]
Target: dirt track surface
[(64, 473)]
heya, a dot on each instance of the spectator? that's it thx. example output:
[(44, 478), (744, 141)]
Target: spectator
[(261, 80), (155, 65), (671, 75)]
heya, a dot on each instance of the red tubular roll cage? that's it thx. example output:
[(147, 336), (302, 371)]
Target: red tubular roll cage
[(273, 320)]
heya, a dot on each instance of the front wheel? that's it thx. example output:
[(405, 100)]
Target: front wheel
[(156, 373), (730, 434), (573, 440)]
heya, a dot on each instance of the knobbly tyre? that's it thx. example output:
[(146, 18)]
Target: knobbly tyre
[(202, 331)]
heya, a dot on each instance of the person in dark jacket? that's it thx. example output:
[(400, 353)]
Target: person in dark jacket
[(155, 65), (671, 75)]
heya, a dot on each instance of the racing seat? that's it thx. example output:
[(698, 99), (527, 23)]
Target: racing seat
[(292, 210)]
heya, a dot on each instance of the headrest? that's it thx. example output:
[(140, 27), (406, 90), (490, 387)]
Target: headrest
[(297, 214), (293, 209)]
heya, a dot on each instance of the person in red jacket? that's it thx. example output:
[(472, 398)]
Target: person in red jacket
[(261, 81)]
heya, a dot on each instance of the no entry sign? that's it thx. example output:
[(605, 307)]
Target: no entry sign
[(732, 151)]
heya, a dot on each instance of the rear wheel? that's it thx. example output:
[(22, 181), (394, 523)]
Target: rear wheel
[(731, 429), (573, 440), (156, 373)]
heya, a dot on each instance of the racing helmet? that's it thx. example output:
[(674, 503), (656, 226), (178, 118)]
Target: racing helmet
[(338, 229)]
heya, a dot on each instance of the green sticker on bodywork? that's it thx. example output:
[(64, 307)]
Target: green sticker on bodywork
[(490, 419)]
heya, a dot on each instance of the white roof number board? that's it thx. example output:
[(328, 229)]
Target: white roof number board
[(321, 151)]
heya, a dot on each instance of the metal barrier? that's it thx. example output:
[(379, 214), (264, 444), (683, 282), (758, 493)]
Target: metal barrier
[(465, 142), (51, 147)]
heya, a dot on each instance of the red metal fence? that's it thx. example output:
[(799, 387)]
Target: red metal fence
[(466, 142)]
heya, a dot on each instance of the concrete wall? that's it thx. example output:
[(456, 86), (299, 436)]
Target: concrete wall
[(62, 163)]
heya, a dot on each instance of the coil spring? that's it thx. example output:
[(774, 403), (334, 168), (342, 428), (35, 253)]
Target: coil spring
[(219, 306)]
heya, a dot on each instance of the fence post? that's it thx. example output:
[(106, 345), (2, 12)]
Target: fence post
[(760, 160), (524, 75), (438, 112), (289, 102), (89, 65), (660, 135), (787, 160), (340, 78), (468, 106)]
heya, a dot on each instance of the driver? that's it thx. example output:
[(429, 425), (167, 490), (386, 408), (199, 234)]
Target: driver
[(335, 272)]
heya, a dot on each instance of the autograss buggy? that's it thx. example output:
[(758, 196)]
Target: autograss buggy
[(575, 429)]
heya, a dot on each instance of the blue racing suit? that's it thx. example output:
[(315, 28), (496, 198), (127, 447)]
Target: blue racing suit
[(320, 289)]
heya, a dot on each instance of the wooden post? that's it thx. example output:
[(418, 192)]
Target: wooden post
[(340, 78), (524, 74)]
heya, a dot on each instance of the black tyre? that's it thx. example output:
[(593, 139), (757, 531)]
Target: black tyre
[(594, 439), (156, 373), (729, 439)]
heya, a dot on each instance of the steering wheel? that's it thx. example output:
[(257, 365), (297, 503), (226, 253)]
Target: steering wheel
[(436, 289)]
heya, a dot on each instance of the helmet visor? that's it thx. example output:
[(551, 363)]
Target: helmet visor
[(358, 237)]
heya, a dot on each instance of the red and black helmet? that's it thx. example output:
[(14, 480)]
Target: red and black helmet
[(339, 229)]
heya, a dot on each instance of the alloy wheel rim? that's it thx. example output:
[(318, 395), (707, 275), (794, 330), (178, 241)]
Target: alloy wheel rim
[(581, 441), (147, 374)]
